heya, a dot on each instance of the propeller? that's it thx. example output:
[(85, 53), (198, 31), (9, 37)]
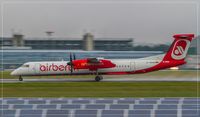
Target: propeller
[(74, 56), (71, 62)]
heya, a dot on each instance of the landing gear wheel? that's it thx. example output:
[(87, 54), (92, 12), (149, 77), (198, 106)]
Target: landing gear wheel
[(98, 78), (20, 78)]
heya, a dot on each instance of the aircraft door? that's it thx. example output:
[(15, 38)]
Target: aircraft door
[(132, 66), (37, 68), (31, 69)]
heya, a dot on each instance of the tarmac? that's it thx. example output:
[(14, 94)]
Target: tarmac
[(117, 79)]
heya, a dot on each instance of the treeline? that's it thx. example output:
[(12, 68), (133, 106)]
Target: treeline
[(161, 47)]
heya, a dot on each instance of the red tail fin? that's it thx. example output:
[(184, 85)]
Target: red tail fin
[(179, 47)]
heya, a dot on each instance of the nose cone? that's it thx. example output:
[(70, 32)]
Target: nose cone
[(14, 73)]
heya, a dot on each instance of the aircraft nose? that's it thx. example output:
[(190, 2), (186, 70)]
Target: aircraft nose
[(14, 73)]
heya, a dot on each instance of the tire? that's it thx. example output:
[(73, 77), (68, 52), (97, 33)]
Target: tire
[(20, 78), (97, 78)]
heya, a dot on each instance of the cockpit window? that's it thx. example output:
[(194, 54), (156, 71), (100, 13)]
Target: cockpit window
[(25, 65)]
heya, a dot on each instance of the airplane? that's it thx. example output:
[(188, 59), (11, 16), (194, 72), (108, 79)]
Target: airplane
[(175, 56)]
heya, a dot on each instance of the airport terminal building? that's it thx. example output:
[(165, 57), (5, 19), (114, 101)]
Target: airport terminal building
[(88, 43)]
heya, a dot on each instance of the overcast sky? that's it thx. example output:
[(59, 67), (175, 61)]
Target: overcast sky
[(149, 22)]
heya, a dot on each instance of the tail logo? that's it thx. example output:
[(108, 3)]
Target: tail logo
[(180, 49)]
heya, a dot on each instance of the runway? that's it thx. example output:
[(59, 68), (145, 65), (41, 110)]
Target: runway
[(118, 79)]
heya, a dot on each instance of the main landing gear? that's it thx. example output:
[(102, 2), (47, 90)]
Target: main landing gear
[(98, 78), (20, 78)]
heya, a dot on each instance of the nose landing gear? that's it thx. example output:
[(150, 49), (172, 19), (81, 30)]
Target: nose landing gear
[(20, 78)]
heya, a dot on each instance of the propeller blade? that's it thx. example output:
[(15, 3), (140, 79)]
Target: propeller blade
[(71, 69), (70, 63), (70, 57), (74, 56)]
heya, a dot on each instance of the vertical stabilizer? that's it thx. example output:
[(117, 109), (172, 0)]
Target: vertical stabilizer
[(179, 47)]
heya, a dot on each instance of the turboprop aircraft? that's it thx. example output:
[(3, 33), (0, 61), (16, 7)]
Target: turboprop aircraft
[(175, 56)]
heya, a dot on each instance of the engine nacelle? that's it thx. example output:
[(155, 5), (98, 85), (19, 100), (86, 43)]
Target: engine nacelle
[(92, 64)]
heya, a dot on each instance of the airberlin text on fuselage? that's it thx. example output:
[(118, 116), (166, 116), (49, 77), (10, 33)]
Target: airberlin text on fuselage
[(54, 67)]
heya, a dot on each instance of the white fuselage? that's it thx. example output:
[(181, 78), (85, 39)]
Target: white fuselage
[(61, 67)]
